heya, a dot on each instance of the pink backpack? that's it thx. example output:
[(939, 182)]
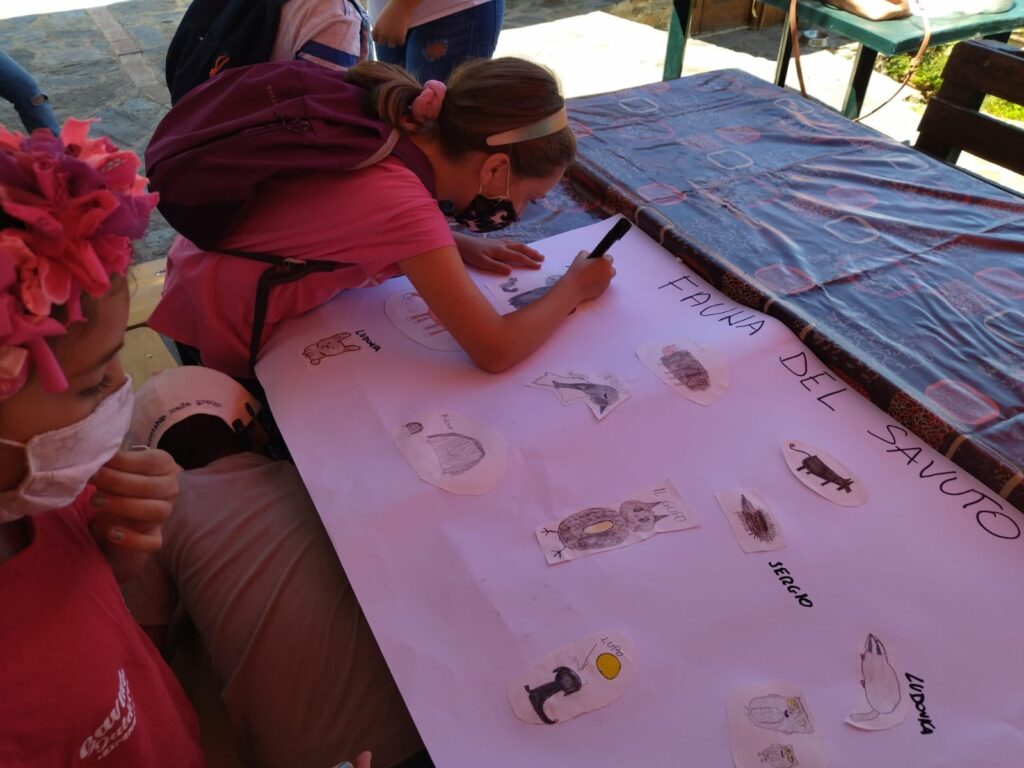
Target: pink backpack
[(250, 126)]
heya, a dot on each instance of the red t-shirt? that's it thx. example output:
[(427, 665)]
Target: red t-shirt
[(80, 684)]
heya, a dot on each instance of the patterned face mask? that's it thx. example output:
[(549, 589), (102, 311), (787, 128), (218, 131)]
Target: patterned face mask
[(489, 214)]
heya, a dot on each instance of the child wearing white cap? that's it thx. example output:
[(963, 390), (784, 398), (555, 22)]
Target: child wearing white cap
[(245, 553)]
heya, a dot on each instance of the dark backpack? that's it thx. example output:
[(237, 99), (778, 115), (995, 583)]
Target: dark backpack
[(249, 126), (215, 35)]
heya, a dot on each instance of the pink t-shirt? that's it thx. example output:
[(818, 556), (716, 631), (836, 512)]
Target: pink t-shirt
[(372, 219), (82, 685)]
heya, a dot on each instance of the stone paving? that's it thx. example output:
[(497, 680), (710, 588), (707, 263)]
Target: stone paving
[(107, 61)]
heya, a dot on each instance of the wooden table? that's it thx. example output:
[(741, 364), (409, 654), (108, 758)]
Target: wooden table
[(888, 37)]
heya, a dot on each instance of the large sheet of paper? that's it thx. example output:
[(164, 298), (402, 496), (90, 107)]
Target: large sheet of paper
[(462, 601)]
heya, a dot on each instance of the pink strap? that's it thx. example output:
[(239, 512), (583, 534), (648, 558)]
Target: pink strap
[(427, 106)]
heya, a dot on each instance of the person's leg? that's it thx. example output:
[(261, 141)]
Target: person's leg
[(18, 87), (434, 49)]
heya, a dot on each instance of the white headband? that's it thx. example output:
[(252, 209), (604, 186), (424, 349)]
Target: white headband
[(543, 127)]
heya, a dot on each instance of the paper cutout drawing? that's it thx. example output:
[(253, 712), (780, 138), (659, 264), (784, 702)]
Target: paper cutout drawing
[(577, 678), (785, 714), (566, 682), (602, 394), (453, 452), (824, 474), (771, 725), (521, 290), (884, 705), (329, 347), (779, 756), (596, 529), (411, 315), (697, 373), (751, 520)]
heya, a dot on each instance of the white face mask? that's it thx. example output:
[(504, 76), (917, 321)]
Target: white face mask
[(61, 462)]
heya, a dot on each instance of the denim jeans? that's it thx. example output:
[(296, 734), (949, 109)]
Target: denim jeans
[(18, 87), (432, 50)]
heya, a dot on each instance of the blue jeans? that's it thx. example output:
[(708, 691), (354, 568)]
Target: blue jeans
[(18, 87), (432, 50)]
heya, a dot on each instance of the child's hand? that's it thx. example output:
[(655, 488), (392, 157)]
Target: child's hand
[(393, 23), (134, 494), (363, 761), (497, 255), (590, 277)]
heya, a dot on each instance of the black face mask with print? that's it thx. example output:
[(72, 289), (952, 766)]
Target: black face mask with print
[(485, 214)]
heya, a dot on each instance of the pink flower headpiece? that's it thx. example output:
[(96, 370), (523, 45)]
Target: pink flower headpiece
[(76, 204)]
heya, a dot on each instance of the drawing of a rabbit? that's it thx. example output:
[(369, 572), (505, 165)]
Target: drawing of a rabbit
[(329, 347)]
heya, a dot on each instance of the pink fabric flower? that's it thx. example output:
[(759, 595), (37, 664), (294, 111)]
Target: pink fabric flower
[(76, 203)]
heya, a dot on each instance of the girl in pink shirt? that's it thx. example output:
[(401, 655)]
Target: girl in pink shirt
[(81, 683), (496, 138)]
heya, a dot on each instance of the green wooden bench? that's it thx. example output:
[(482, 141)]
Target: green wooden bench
[(874, 37)]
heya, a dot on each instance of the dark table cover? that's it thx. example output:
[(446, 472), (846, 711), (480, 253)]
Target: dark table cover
[(904, 275)]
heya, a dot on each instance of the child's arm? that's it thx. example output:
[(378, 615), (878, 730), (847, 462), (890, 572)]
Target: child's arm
[(135, 491), (393, 23), (493, 341)]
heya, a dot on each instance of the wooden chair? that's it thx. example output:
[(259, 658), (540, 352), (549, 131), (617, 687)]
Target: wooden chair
[(952, 122)]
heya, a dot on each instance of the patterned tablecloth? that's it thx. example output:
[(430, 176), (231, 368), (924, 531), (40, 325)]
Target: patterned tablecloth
[(905, 276)]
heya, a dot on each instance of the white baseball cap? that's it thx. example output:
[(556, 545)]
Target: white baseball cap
[(171, 396)]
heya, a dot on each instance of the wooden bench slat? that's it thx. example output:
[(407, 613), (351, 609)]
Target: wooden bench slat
[(952, 126), (144, 353), (147, 283), (986, 67)]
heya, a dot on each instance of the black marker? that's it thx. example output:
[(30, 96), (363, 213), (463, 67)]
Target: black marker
[(615, 233)]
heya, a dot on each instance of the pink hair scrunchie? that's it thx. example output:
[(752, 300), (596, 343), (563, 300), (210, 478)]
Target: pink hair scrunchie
[(427, 106)]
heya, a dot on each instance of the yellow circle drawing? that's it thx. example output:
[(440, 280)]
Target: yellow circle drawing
[(600, 527), (608, 665)]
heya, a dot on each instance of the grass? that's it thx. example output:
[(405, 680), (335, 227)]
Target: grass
[(928, 79)]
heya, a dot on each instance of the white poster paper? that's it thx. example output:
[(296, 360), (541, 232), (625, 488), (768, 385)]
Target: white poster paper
[(698, 374), (602, 394), (770, 724), (751, 520), (577, 678), (453, 452), (883, 698), (411, 315), (596, 529), (824, 474)]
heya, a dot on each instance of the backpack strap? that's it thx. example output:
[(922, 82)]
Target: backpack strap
[(282, 270)]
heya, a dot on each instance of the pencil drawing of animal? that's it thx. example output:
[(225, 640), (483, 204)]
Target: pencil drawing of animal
[(603, 396), (880, 681), (566, 682), (602, 527), (521, 300), (757, 522), (685, 368), (329, 347), (509, 286), (779, 713), (456, 453), (812, 465), (779, 756)]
